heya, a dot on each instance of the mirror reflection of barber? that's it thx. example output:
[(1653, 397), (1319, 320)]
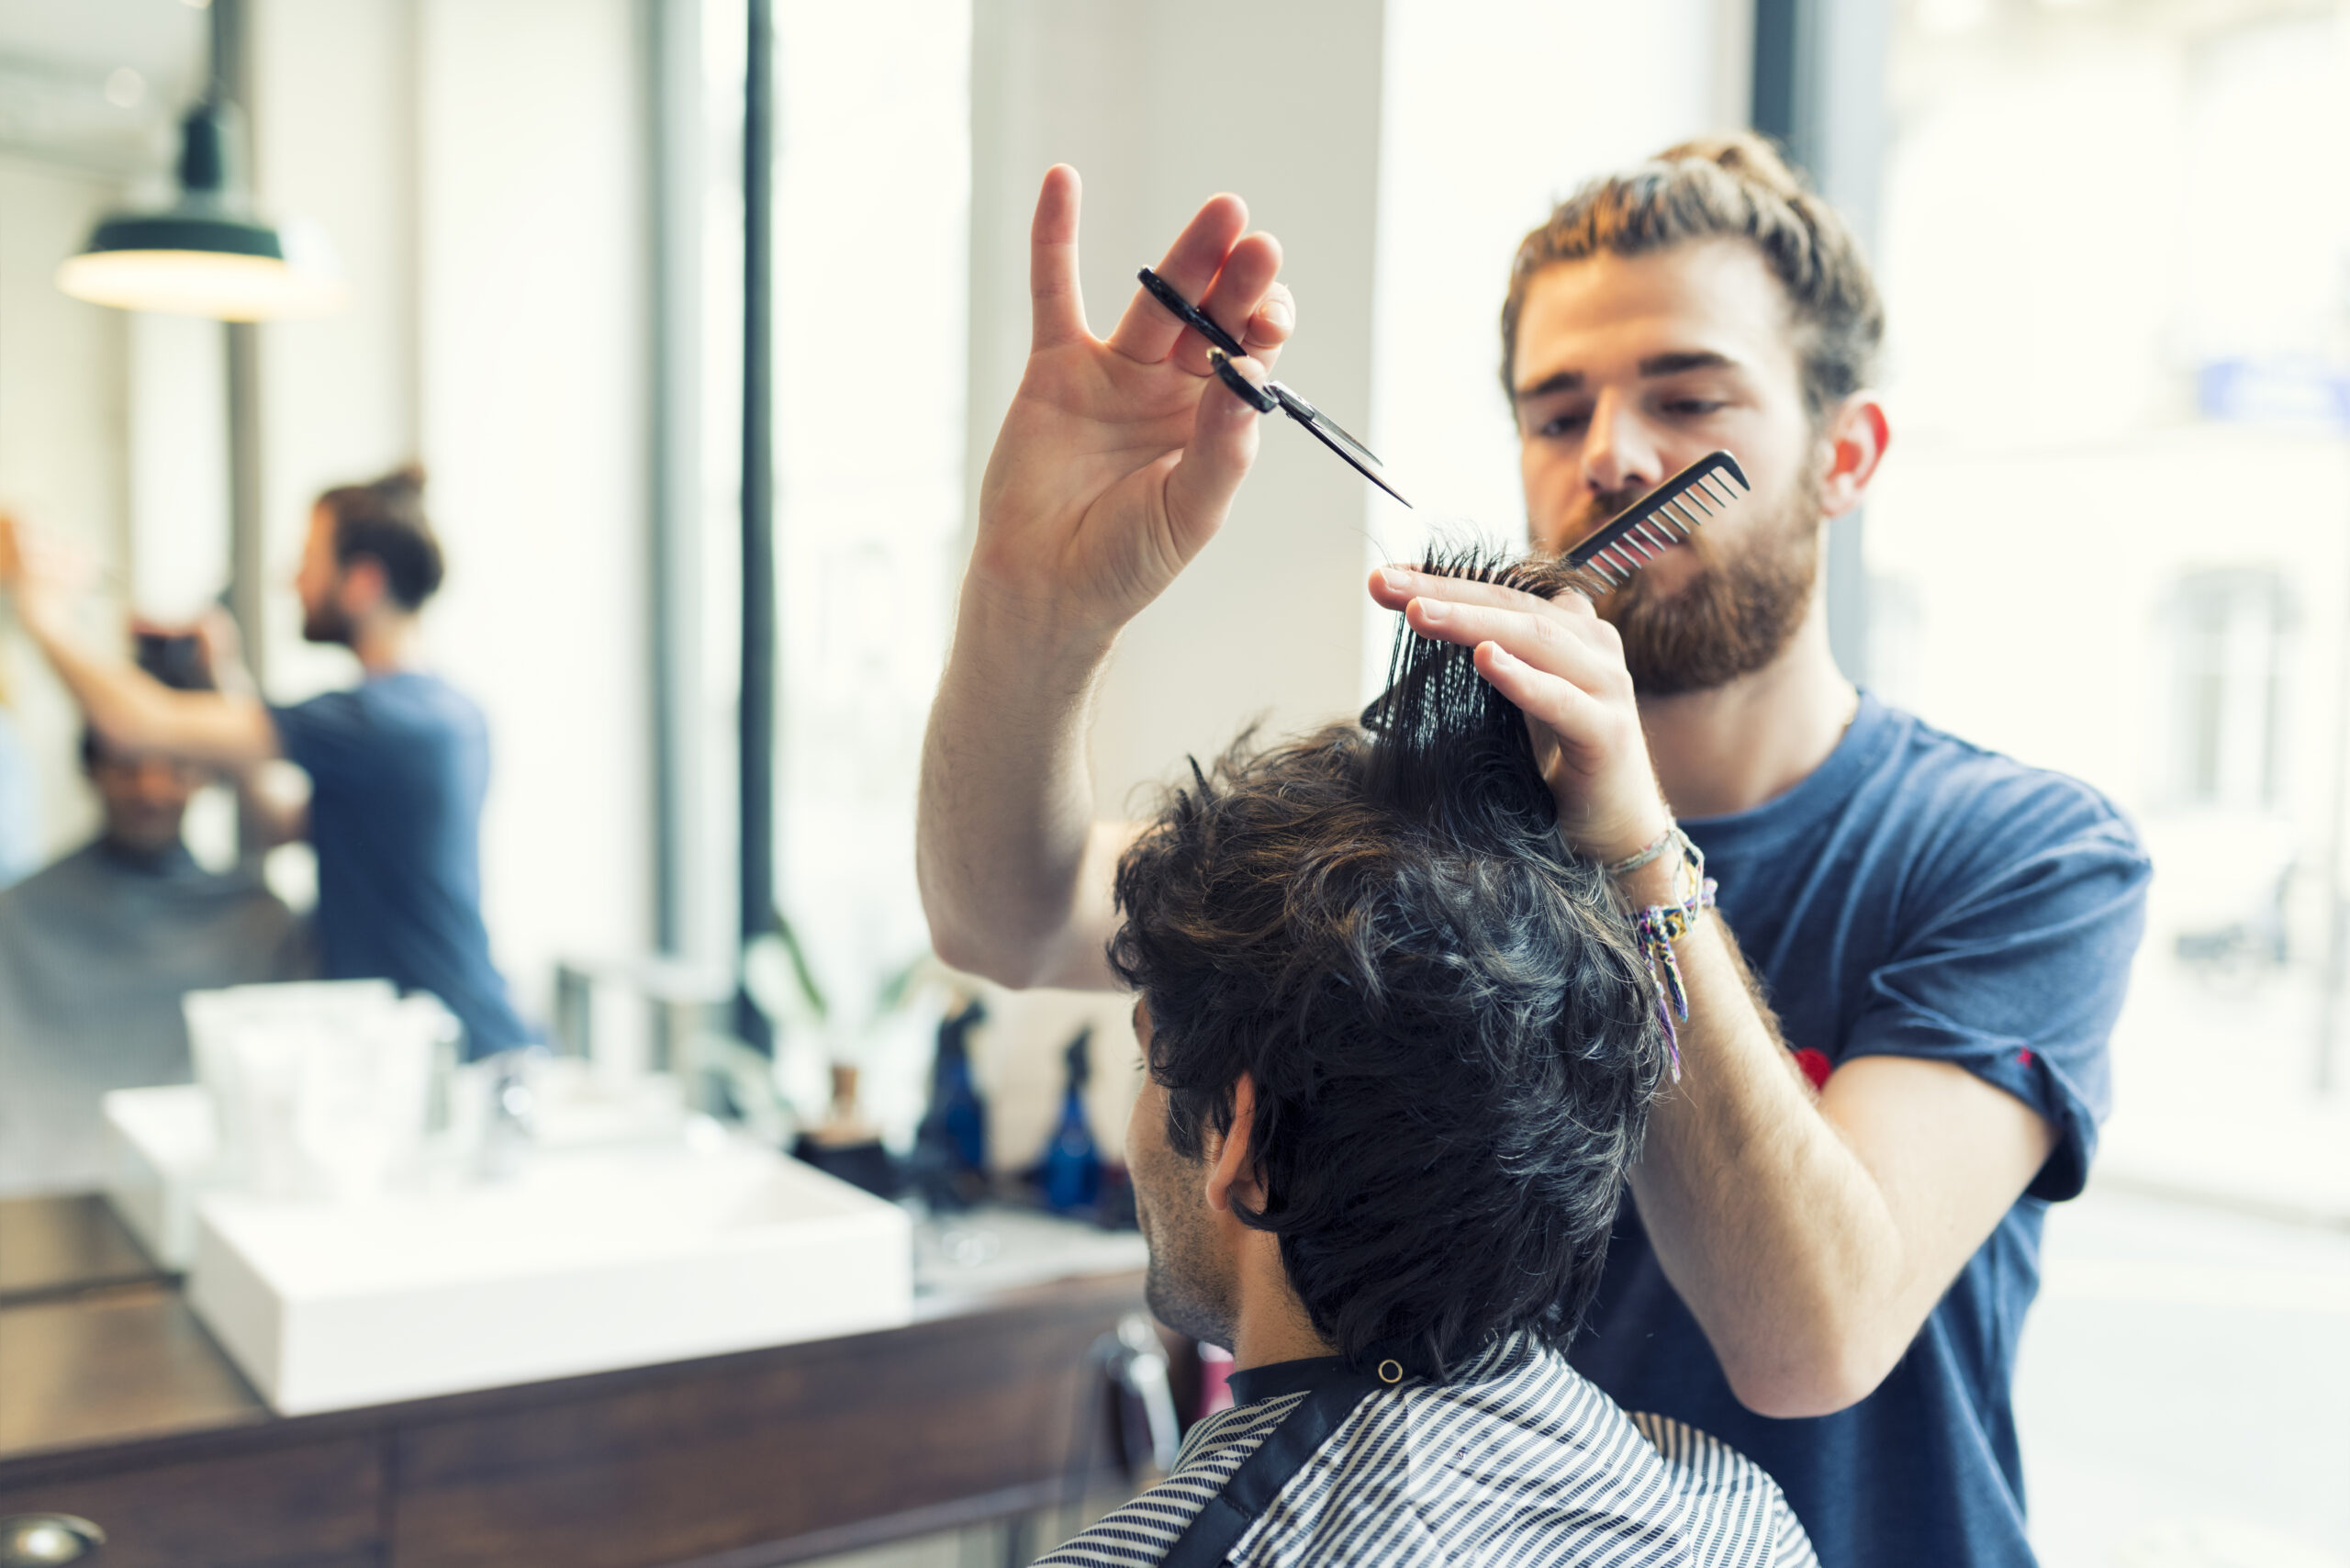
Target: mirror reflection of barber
[(398, 764)]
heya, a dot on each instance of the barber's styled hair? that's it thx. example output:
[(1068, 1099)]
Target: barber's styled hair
[(1731, 186), (383, 521), (1452, 1037)]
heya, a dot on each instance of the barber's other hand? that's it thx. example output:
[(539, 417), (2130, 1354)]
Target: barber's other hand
[(1565, 668), (1119, 457), (42, 578)]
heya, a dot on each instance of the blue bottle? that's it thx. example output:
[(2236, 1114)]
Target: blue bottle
[(950, 1156), (1072, 1175)]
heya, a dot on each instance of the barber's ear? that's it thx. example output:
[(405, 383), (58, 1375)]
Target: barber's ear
[(363, 586), (1855, 440), (1231, 1170)]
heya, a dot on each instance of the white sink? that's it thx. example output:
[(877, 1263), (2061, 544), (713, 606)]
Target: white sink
[(164, 1143), (584, 1262)]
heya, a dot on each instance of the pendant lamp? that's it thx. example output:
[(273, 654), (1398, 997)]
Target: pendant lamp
[(207, 254)]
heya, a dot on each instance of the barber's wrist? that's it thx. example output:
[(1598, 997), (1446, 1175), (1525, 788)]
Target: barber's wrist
[(1029, 638), (1661, 881), (1624, 838)]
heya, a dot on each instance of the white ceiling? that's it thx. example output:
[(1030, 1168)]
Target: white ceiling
[(99, 84)]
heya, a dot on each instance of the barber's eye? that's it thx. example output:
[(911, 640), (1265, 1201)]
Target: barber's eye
[(1562, 425), (1695, 407)]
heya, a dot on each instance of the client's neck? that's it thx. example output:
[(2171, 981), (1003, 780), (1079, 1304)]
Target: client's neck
[(144, 854), (1271, 1324)]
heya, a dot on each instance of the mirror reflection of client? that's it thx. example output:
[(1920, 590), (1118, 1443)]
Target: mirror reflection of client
[(1401, 1048), (398, 764), (95, 952)]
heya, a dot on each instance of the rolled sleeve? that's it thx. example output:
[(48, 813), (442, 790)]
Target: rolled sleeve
[(2019, 980)]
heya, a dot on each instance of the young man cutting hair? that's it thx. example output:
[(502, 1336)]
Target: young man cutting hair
[(1833, 1281)]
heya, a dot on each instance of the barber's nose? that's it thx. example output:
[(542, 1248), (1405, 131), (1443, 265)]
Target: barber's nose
[(1617, 454)]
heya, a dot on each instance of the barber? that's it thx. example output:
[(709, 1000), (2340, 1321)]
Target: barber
[(398, 766), (1828, 1267)]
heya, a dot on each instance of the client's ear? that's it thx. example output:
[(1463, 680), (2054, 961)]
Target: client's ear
[(1231, 1172)]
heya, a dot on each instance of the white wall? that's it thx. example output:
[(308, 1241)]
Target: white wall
[(872, 203), (478, 164), (1158, 109), (1493, 112), (333, 117), (63, 443), (532, 350)]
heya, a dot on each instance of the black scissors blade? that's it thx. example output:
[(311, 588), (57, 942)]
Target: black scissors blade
[(1224, 348), (1327, 431)]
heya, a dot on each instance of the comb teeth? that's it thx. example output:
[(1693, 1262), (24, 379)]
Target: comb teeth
[(1608, 559)]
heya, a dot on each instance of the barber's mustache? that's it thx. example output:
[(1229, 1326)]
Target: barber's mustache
[(1602, 505)]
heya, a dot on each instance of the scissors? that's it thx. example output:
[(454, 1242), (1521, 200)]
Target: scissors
[(1223, 348)]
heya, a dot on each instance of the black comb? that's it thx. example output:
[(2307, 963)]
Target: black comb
[(1609, 556)]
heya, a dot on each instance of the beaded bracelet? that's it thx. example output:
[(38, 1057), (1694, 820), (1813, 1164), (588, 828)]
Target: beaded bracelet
[(1656, 847), (1656, 929)]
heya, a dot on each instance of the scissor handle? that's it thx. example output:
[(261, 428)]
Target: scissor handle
[(1190, 315), (1248, 391)]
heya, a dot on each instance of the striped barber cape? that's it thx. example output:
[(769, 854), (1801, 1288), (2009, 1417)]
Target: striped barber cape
[(1517, 1460)]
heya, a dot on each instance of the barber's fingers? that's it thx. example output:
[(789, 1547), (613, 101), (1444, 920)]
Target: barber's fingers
[(1271, 325), (1204, 479), (1232, 301), (1395, 587), (1590, 656), (1581, 722), (1148, 330), (1056, 305)]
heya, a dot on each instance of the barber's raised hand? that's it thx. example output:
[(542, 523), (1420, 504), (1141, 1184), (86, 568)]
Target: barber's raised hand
[(1119, 457), (42, 576), (1565, 668)]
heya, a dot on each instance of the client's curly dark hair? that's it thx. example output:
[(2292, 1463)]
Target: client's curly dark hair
[(1452, 1036)]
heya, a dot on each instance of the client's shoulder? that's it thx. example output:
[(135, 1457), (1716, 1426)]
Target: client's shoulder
[(1571, 1469), (1139, 1533)]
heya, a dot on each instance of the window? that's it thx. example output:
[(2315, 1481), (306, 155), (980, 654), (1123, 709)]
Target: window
[(2227, 635)]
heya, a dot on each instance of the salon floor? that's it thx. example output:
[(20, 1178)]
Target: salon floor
[(2181, 1394), (2181, 1389)]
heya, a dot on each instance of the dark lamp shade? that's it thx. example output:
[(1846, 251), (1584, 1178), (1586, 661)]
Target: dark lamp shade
[(194, 259)]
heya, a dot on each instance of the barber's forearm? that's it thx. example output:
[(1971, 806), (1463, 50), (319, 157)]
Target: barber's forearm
[(1767, 1224), (1006, 815), (111, 694), (134, 710)]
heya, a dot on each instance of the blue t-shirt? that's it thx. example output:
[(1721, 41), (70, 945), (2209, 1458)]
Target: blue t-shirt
[(1915, 896), (397, 768)]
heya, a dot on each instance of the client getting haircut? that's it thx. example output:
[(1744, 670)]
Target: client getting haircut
[(1453, 1037)]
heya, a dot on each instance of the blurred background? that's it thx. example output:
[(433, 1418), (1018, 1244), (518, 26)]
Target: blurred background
[(2112, 536)]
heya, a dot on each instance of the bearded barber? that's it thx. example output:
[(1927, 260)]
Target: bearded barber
[(398, 764), (1828, 1267)]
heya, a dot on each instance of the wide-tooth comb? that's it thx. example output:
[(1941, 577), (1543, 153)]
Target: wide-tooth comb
[(1606, 559)]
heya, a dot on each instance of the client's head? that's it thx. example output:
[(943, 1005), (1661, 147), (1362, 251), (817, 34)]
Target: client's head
[(145, 794), (371, 552), (1398, 1038)]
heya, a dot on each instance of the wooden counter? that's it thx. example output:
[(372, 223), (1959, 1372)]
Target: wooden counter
[(116, 1404)]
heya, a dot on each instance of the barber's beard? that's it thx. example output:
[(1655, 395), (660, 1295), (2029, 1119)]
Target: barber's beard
[(326, 622), (1735, 615)]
